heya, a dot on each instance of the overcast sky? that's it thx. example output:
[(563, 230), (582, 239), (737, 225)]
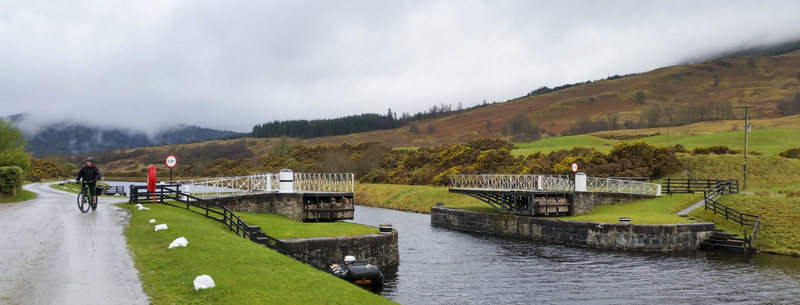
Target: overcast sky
[(233, 64)]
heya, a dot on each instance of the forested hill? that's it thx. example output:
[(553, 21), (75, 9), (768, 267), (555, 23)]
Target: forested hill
[(69, 138), (325, 127)]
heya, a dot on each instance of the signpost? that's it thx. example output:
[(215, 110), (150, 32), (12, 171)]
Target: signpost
[(171, 161), (574, 167)]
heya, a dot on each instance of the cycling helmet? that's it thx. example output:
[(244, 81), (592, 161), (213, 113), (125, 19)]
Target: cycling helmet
[(90, 159)]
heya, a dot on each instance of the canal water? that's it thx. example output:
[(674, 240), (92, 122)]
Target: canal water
[(441, 266)]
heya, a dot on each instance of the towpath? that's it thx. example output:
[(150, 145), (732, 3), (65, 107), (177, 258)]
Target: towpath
[(52, 253), (686, 211)]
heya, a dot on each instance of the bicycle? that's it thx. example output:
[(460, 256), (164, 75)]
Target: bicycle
[(85, 198)]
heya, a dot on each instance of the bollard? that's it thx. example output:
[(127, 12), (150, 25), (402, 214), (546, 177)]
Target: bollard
[(385, 228), (580, 182), (286, 177)]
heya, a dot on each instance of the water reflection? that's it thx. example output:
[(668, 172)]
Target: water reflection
[(440, 266)]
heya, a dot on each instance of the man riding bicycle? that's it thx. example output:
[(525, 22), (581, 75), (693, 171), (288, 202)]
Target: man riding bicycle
[(90, 174)]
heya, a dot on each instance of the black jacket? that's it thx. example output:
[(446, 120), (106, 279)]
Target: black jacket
[(89, 174)]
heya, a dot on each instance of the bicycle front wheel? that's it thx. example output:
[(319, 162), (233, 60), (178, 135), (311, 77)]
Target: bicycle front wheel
[(83, 203)]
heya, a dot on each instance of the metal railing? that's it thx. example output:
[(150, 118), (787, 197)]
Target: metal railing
[(267, 182), (608, 185), (324, 182), (513, 182), (166, 193)]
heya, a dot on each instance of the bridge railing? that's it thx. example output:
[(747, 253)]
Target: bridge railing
[(219, 186), (324, 182), (267, 182), (513, 182), (609, 185)]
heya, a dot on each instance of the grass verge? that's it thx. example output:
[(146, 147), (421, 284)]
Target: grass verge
[(415, 198), (244, 272), (654, 211), (67, 187), (22, 195), (280, 227), (779, 231)]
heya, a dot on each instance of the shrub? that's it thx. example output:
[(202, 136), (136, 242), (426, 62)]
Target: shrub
[(790, 193), (44, 169), (793, 153), (16, 158), (719, 150), (10, 180)]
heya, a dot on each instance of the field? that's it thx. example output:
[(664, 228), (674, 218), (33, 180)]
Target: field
[(769, 142), (779, 231), (244, 272), (559, 143)]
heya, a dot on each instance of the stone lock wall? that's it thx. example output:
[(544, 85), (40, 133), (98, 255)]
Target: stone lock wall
[(380, 249), (286, 204), (589, 234)]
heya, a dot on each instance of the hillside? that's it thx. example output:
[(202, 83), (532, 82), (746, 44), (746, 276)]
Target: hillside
[(69, 138), (760, 81)]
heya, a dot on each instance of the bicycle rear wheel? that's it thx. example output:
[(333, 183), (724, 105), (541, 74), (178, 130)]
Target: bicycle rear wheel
[(83, 202)]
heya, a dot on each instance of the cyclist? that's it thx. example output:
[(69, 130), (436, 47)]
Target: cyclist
[(90, 174)]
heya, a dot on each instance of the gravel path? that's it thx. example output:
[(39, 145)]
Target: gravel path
[(51, 253)]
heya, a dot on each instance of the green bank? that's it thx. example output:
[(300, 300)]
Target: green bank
[(244, 272)]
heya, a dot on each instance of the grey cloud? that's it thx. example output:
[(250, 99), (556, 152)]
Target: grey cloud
[(230, 65)]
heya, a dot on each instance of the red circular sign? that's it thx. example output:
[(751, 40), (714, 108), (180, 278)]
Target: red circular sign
[(574, 167), (171, 161)]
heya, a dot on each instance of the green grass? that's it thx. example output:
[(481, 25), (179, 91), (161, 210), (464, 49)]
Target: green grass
[(280, 227), (655, 211), (22, 195), (68, 187), (779, 231), (559, 143), (767, 141), (763, 172), (415, 198), (244, 272)]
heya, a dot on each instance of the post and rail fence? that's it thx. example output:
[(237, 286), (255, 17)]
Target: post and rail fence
[(170, 194), (690, 186), (724, 187)]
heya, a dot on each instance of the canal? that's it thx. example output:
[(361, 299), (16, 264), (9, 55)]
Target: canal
[(441, 266)]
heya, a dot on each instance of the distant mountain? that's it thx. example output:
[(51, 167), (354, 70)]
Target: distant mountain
[(69, 138)]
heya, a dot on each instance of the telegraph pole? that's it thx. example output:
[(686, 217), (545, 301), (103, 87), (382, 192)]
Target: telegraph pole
[(746, 131)]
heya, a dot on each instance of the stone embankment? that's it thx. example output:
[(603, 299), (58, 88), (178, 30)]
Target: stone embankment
[(671, 237)]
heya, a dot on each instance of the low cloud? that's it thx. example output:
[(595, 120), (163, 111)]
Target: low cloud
[(229, 65)]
